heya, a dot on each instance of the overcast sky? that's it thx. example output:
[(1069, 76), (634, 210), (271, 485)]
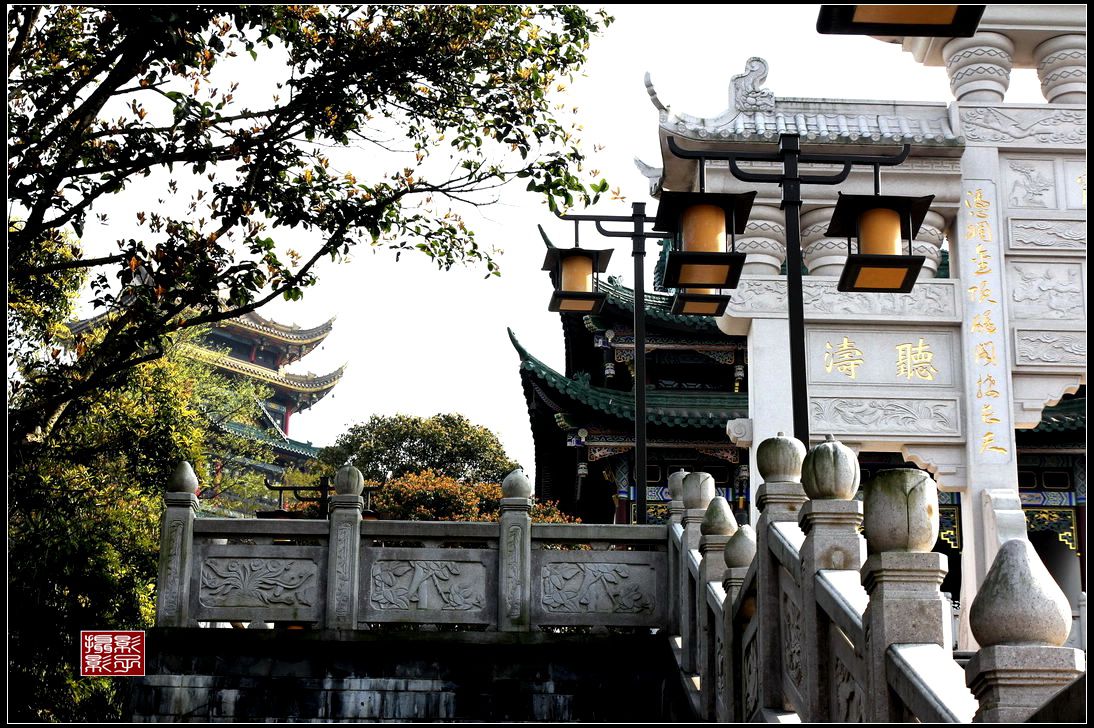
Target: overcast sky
[(422, 341)]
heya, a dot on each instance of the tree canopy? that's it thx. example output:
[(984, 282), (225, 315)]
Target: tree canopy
[(427, 496), (237, 134), (447, 444)]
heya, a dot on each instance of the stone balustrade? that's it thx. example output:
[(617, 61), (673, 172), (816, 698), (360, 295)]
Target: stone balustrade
[(804, 618)]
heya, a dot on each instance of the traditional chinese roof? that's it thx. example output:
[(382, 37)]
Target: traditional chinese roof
[(1068, 415), (253, 323), (672, 409), (277, 442), (301, 383), (754, 114)]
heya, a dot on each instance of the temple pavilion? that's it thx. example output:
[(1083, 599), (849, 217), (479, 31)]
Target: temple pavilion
[(259, 349)]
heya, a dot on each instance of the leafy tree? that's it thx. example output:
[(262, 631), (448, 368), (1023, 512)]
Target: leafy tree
[(145, 104), (447, 444), (428, 496), (83, 533)]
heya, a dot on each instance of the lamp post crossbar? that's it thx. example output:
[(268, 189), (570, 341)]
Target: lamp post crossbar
[(790, 179), (638, 236)]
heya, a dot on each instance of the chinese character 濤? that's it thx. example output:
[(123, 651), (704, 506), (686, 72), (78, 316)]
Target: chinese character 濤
[(845, 358)]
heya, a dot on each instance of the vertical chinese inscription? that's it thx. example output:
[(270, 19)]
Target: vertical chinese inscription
[(985, 351)]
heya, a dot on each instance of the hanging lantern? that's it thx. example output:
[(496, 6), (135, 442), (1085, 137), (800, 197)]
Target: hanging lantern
[(574, 273), (881, 223), (701, 262), (938, 21), (701, 225)]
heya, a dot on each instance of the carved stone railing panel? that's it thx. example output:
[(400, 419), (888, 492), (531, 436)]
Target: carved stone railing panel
[(846, 680), (611, 588), (274, 583), (441, 586), (790, 617)]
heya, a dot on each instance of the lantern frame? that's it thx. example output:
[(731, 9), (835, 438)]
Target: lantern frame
[(559, 297), (846, 223), (840, 20)]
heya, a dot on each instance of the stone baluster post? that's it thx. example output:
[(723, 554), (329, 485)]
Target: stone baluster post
[(676, 517), (177, 548), (779, 460), (928, 243), (830, 520), (715, 531), (344, 549), (1020, 618), (823, 256), (515, 554), (1061, 66), (763, 241), (739, 552), (902, 577), (979, 67), (698, 492)]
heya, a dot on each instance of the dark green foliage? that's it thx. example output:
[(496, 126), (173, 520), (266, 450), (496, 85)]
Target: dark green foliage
[(446, 444)]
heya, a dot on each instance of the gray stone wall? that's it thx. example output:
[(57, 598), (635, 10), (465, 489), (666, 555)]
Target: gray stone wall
[(204, 675)]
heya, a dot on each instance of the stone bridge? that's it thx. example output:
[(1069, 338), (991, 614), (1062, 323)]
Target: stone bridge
[(829, 611)]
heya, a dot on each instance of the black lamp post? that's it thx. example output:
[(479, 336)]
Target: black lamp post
[(879, 267), (638, 235)]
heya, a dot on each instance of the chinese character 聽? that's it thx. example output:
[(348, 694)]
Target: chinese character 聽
[(914, 360)]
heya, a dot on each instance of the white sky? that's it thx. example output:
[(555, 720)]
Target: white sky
[(421, 341)]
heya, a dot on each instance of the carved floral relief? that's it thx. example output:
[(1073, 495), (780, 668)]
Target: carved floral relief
[(235, 582), (589, 587), (894, 416), (428, 585)]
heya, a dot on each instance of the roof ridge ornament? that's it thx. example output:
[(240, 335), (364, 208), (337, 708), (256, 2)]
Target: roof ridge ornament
[(746, 93)]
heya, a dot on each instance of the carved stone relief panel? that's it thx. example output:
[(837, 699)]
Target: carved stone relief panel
[(427, 585), (587, 587), (598, 587), (792, 639), (884, 416), (751, 668), (929, 300), (258, 582), (1030, 183), (1037, 347), (1044, 290), (1056, 236), (847, 703), (1026, 127)]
